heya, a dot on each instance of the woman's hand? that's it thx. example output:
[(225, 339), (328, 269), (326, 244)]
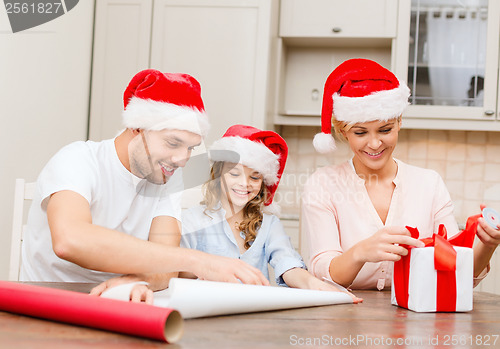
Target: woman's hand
[(487, 234), (139, 293), (385, 245)]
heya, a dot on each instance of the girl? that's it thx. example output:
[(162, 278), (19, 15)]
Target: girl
[(355, 214), (234, 218)]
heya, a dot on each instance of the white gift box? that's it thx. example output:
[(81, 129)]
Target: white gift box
[(422, 284)]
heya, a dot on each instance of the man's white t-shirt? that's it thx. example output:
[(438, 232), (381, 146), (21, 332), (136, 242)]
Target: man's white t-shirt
[(118, 200)]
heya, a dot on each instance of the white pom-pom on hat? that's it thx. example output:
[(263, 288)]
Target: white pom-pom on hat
[(324, 143)]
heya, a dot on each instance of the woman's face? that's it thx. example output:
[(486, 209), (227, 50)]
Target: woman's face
[(239, 184), (373, 142)]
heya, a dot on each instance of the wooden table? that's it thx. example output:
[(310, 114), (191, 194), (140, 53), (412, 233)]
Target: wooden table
[(374, 323)]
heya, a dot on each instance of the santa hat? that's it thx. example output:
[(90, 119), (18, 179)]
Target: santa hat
[(263, 151), (359, 90), (155, 101)]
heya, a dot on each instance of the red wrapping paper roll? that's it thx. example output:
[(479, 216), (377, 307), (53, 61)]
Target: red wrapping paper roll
[(137, 319)]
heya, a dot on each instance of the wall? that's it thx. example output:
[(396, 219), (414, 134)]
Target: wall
[(44, 96), (468, 161)]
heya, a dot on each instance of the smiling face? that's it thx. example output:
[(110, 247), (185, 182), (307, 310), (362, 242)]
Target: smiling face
[(155, 155), (239, 185), (373, 144)]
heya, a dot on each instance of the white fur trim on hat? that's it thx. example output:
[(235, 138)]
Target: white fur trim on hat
[(381, 105), (324, 143), (152, 115), (246, 152), (273, 208)]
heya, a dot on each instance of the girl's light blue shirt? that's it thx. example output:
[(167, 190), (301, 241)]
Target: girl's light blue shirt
[(210, 232)]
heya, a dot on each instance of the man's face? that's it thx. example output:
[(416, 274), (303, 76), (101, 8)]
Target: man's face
[(155, 155)]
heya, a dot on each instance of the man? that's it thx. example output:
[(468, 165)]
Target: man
[(97, 203)]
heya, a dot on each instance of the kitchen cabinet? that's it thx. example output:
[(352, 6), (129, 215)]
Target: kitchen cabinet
[(224, 44), (316, 36), (338, 18), (452, 50)]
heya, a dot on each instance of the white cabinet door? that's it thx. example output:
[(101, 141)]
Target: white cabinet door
[(121, 49), (441, 73), (338, 18), (309, 49), (224, 44)]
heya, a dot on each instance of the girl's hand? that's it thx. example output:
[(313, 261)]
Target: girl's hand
[(139, 293), (327, 285), (385, 245), (301, 278)]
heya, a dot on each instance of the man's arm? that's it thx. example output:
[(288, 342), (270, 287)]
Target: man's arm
[(167, 231), (76, 239)]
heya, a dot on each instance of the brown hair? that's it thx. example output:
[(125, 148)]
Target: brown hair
[(252, 212)]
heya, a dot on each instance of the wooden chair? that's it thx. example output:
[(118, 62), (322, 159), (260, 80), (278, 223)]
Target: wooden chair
[(23, 192)]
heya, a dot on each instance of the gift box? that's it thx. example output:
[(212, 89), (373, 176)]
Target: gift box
[(439, 276)]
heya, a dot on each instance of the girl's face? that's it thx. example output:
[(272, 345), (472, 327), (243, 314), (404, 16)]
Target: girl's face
[(239, 184), (373, 143)]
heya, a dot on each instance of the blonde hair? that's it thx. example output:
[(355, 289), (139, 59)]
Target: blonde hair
[(341, 127), (252, 212)]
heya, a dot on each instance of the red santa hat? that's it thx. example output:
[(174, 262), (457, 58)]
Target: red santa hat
[(263, 151), (155, 101), (359, 90)]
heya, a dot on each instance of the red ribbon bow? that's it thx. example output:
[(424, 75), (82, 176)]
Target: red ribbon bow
[(445, 258)]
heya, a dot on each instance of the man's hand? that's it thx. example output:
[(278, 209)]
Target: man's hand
[(225, 269), (139, 293)]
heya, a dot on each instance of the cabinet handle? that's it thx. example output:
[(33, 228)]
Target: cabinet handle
[(315, 94), (336, 29), (489, 112)]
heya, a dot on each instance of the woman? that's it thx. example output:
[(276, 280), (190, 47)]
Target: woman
[(355, 214)]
